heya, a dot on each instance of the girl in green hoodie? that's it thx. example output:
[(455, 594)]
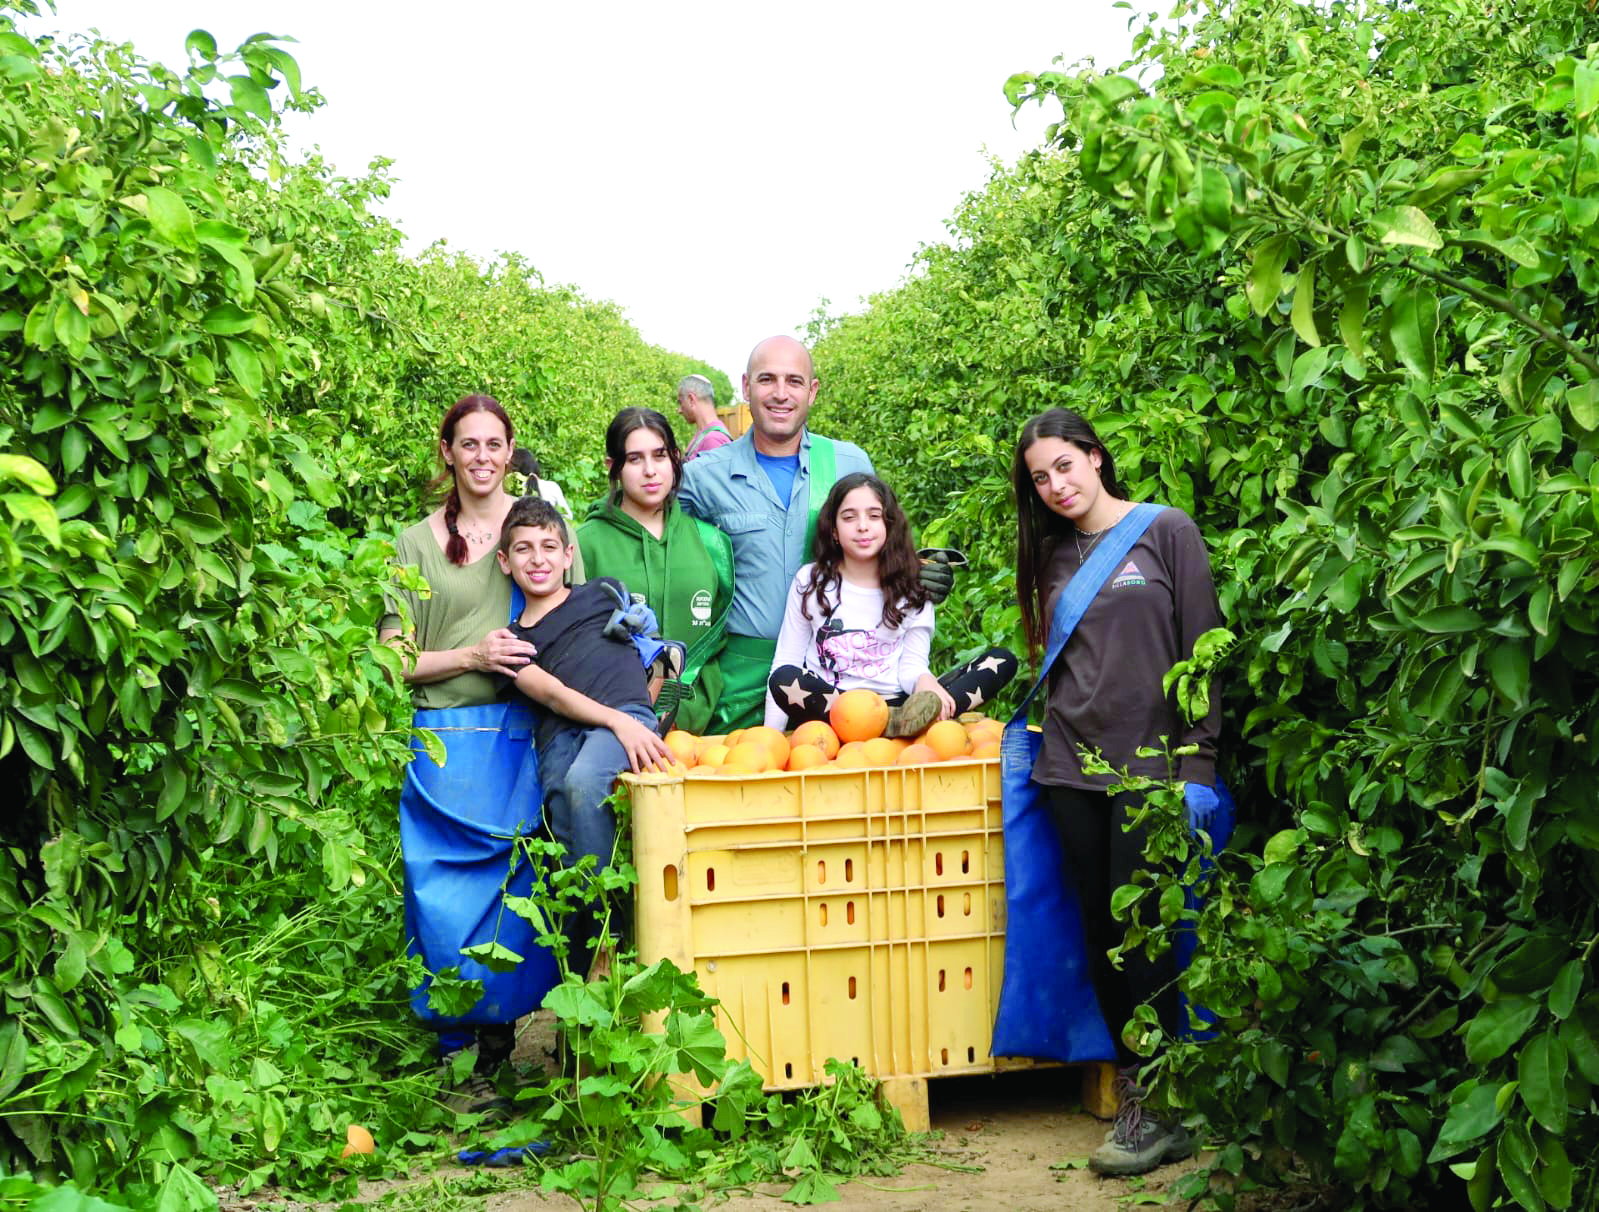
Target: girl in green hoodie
[(684, 568)]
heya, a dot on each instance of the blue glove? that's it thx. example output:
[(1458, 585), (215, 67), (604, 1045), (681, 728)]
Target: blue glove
[(1209, 809), (1203, 804)]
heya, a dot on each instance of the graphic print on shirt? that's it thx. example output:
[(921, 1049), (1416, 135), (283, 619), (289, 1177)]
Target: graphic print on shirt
[(1129, 577), (699, 606), (858, 654)]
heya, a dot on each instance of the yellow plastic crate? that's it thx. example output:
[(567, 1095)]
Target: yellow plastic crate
[(854, 914)]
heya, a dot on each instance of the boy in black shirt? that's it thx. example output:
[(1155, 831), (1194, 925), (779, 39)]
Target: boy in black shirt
[(597, 719)]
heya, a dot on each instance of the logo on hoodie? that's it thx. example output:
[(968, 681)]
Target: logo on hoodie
[(699, 608)]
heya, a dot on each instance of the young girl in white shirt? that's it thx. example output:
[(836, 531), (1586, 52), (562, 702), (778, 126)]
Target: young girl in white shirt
[(858, 616)]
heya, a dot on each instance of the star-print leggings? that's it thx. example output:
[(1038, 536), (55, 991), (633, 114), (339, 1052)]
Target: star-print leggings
[(805, 695)]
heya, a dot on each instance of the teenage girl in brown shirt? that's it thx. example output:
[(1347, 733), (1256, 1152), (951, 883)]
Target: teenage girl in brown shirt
[(1105, 693)]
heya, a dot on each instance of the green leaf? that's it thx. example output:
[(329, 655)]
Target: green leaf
[(1565, 990), (1519, 1184), (250, 96), (1584, 404), (30, 473), (227, 319), (1541, 1074), (246, 367), (1471, 1117), (39, 513), (200, 44), (1215, 198), (1265, 282), (1413, 328), (812, 1188), (317, 482), (1510, 669), (1447, 620), (170, 218), (1406, 225), (1585, 88), (432, 744), (1303, 316), (183, 1192), (496, 957), (697, 1046), (1498, 1027)]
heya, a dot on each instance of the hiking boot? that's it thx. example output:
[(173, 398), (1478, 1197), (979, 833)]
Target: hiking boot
[(913, 715), (1138, 1142)]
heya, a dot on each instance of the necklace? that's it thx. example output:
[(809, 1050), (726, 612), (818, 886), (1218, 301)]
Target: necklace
[(1093, 537)]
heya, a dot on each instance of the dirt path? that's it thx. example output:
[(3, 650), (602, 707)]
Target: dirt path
[(1014, 1125)]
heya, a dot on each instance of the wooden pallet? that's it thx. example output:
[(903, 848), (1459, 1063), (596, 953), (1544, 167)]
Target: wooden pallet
[(909, 1094)]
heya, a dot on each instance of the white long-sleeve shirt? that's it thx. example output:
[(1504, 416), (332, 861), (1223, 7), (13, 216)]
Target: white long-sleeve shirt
[(850, 646)]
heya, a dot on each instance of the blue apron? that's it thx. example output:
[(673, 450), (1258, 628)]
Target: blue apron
[(458, 825)]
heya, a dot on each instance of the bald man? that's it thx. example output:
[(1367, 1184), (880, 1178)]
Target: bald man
[(764, 490)]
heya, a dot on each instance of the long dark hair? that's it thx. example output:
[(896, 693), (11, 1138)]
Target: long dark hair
[(1038, 527), (898, 569), (621, 428), (455, 550)]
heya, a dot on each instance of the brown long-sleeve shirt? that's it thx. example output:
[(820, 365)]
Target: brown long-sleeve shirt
[(1104, 691)]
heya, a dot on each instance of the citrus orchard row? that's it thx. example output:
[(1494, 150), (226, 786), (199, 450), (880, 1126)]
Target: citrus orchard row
[(851, 738)]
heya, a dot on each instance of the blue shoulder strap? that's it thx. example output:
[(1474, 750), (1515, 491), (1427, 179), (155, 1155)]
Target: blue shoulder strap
[(1085, 586)]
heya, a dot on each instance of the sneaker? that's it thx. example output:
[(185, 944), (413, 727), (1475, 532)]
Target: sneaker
[(913, 715), (1138, 1142)]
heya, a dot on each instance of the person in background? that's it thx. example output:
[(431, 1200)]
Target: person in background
[(1105, 694), (525, 466), (640, 535), (696, 401), (764, 490)]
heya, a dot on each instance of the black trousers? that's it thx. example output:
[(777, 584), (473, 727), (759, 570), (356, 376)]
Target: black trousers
[(1101, 857)]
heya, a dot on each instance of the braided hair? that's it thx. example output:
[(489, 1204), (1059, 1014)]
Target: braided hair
[(455, 550)]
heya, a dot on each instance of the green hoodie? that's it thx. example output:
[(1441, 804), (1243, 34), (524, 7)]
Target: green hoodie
[(679, 580)]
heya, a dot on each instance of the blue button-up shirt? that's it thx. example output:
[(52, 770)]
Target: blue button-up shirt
[(728, 488)]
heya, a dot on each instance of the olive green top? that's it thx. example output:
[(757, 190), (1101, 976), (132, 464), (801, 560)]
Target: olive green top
[(466, 604)]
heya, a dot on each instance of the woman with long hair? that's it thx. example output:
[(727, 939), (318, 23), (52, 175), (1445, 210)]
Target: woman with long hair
[(640, 535), (459, 822), (859, 617), (1104, 693)]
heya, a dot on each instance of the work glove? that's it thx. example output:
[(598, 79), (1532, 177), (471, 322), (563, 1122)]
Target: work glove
[(634, 622), (938, 571), (1210, 809)]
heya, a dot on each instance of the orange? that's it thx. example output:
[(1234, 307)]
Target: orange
[(675, 768), (699, 772), (714, 756), (357, 1140), (749, 757), (917, 755), (880, 751), (852, 754), (776, 743), (816, 732), (947, 739), (734, 737), (858, 715), (803, 757), (702, 743), (682, 744), (986, 749)]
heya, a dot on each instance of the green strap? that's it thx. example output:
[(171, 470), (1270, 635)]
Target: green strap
[(720, 548), (824, 471)]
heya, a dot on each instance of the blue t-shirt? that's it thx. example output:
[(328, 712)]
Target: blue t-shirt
[(780, 470)]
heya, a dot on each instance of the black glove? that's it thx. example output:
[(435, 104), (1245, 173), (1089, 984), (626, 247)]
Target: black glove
[(938, 573)]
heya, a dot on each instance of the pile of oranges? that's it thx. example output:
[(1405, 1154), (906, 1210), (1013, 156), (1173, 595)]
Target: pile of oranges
[(851, 737)]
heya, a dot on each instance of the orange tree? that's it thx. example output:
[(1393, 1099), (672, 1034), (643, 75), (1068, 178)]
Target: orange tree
[(218, 376), (1326, 276)]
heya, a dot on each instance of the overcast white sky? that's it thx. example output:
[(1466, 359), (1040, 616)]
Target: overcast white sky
[(717, 169)]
